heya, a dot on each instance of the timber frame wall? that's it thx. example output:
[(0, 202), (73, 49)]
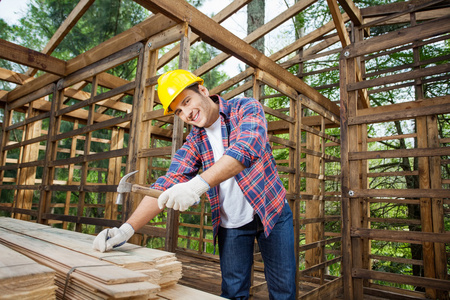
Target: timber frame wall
[(59, 124)]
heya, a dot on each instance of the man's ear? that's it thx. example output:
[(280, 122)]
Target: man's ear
[(203, 90)]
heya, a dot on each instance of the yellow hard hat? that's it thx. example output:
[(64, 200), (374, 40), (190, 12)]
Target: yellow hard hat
[(172, 83)]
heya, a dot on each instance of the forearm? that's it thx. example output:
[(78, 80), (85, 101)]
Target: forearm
[(146, 211), (225, 168)]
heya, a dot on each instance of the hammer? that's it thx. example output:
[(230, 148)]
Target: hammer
[(127, 187)]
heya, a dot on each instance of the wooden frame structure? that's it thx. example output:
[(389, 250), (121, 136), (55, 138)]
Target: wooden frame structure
[(52, 125)]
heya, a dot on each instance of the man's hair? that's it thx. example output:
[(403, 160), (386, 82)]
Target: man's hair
[(193, 87)]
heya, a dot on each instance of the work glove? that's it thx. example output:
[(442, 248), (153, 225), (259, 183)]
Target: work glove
[(183, 195), (112, 238)]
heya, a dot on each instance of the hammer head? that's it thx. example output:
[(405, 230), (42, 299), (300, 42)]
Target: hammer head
[(124, 187)]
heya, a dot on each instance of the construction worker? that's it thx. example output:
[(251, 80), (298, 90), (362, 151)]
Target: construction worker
[(229, 142)]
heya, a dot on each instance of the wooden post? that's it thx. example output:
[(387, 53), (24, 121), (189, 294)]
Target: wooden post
[(314, 209), (295, 158), (437, 204), (27, 176), (346, 248), (135, 127), (50, 155), (87, 150), (73, 148), (177, 142)]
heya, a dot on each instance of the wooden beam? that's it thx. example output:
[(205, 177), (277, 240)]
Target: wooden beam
[(221, 38), (401, 193), (423, 109), (353, 12), (393, 8), (31, 58), (64, 29), (13, 77), (339, 22), (404, 279), (399, 37)]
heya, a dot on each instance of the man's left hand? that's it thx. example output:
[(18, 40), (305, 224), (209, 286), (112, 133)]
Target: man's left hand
[(181, 196)]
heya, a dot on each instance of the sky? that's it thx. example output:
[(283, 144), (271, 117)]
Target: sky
[(10, 10)]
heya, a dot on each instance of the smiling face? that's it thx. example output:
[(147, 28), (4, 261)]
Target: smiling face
[(196, 108)]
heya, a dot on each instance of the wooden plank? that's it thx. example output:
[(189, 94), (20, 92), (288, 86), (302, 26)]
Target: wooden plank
[(181, 292), (382, 10), (102, 65), (23, 278), (401, 193), (411, 113), (401, 236), (422, 152), (404, 279), (400, 260), (97, 98), (411, 9), (339, 22), (13, 77), (31, 58), (151, 152), (329, 290), (347, 257), (399, 37), (352, 10), (97, 126), (420, 16), (36, 95), (398, 295), (66, 259), (163, 266), (391, 109), (443, 68)]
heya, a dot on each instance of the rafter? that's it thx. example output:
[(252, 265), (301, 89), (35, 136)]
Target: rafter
[(31, 58)]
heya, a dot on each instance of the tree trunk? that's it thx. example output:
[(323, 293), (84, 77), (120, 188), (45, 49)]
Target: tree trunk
[(255, 19)]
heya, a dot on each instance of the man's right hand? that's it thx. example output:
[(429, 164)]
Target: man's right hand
[(112, 238)]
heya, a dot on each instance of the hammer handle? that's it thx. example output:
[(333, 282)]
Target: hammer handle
[(143, 190)]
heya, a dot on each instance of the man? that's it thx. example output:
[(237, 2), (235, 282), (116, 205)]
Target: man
[(229, 142)]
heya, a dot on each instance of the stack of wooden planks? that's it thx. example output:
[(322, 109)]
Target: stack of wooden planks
[(132, 272), (161, 267), (79, 276), (23, 278)]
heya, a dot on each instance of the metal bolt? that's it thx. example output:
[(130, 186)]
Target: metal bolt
[(149, 44), (346, 54), (351, 193)]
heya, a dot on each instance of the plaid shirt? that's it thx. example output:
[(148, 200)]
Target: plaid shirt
[(244, 136)]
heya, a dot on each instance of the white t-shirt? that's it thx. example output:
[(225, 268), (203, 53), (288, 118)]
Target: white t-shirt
[(235, 211)]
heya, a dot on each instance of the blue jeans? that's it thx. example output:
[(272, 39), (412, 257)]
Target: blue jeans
[(277, 250)]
